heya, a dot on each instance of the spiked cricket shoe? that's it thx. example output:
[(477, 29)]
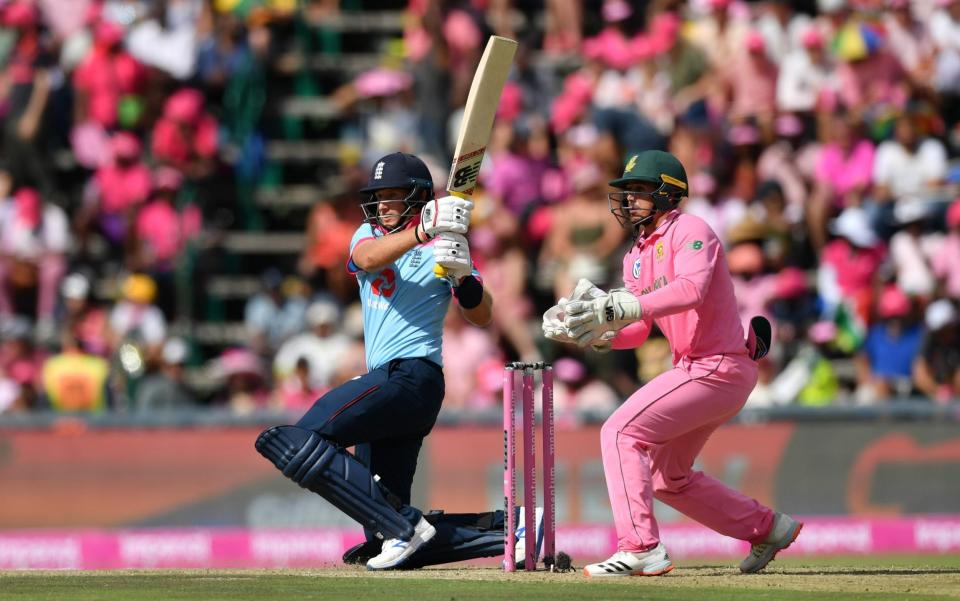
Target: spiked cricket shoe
[(395, 551), (625, 563), (785, 530)]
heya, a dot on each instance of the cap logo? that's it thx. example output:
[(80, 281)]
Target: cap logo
[(378, 172), (673, 181), (631, 164)]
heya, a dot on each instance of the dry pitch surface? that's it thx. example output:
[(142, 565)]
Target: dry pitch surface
[(910, 578)]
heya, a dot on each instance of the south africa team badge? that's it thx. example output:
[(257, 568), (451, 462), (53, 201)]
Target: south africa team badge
[(659, 249), (636, 268)]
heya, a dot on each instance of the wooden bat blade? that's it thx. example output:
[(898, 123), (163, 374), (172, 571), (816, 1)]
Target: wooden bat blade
[(478, 114), (477, 121)]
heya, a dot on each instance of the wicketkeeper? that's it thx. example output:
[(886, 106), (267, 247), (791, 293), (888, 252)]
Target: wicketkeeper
[(675, 275)]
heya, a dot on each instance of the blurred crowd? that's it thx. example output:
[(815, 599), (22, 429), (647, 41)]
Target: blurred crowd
[(821, 141), (130, 136)]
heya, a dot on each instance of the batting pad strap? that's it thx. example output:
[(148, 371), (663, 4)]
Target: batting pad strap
[(469, 293), (326, 469)]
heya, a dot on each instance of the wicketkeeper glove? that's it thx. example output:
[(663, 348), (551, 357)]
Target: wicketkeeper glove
[(588, 320), (553, 327), (553, 319)]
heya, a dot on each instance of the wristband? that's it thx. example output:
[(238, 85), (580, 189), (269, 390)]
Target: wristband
[(469, 293), (416, 234)]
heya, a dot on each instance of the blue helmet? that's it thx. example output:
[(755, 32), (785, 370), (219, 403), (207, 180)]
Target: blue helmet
[(397, 170)]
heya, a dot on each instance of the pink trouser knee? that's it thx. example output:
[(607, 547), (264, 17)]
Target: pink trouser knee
[(650, 442)]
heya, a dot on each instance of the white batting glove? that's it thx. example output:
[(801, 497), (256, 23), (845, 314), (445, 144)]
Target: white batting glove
[(588, 320), (446, 214), (452, 252)]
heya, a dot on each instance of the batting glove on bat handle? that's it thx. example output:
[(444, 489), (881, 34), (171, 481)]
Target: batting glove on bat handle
[(452, 252), (457, 208), (446, 214)]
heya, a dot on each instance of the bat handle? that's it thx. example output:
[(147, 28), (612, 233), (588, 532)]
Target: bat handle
[(439, 270)]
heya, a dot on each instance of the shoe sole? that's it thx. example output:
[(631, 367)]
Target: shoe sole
[(665, 570), (796, 534)]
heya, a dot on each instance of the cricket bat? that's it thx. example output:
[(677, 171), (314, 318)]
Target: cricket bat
[(477, 122)]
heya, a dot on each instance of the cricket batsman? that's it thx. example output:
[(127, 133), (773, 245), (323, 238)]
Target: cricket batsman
[(675, 275), (389, 411)]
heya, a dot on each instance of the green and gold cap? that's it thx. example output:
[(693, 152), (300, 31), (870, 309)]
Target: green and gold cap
[(654, 166)]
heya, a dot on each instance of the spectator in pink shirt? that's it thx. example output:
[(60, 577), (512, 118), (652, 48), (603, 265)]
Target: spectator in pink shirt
[(783, 161), (850, 262), (752, 288), (871, 81), (34, 238), (843, 174), (107, 75), (752, 78), (163, 230), (467, 350), (115, 191), (295, 393), (909, 39), (161, 234), (185, 137), (518, 173)]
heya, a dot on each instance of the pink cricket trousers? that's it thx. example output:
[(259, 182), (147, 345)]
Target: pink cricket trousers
[(650, 442)]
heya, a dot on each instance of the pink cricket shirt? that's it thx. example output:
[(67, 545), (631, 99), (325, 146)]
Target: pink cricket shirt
[(680, 275)]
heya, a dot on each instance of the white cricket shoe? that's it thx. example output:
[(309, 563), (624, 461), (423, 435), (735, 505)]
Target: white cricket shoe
[(625, 563), (785, 530), (520, 550), (396, 551)]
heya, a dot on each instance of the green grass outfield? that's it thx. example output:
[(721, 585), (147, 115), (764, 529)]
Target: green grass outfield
[(888, 578)]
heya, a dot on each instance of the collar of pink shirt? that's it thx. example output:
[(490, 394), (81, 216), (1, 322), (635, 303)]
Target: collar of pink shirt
[(660, 231)]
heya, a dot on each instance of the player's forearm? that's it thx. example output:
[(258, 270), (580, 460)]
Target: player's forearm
[(482, 314), (375, 254)]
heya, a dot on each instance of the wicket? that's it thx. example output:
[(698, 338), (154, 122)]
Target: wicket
[(523, 386)]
